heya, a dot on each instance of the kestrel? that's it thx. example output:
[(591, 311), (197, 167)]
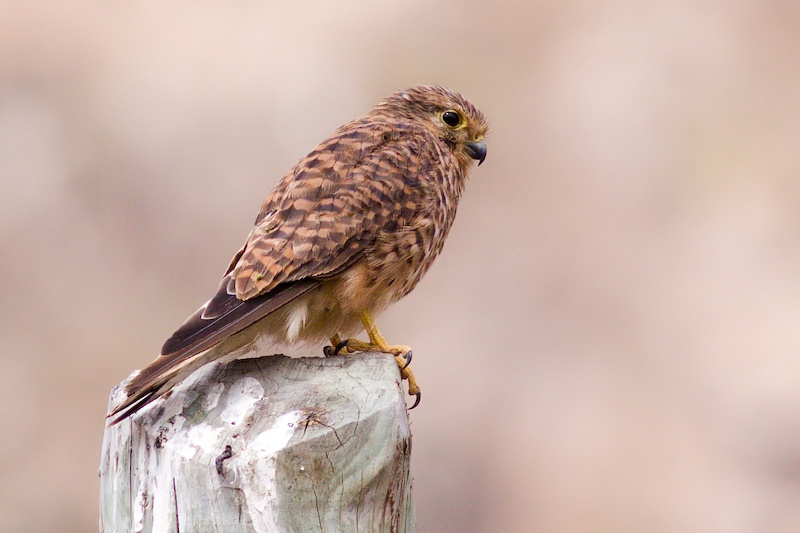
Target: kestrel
[(350, 229)]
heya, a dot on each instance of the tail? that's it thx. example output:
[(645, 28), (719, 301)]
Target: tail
[(190, 346), (159, 377)]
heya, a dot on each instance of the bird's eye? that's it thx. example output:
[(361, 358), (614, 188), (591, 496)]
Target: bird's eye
[(451, 118)]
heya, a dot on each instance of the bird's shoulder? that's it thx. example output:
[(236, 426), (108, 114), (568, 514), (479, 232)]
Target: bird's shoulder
[(328, 208)]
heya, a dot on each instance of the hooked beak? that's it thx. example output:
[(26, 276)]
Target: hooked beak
[(477, 150)]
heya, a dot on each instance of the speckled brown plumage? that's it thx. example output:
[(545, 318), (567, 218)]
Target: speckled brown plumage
[(351, 228)]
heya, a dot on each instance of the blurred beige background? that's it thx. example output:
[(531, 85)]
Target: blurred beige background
[(610, 340)]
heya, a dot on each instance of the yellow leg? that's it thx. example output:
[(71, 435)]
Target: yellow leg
[(376, 339), (400, 352)]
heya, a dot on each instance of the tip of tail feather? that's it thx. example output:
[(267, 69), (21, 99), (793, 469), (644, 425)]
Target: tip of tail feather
[(127, 409), (143, 387)]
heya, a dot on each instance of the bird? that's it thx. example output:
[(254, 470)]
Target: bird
[(347, 231)]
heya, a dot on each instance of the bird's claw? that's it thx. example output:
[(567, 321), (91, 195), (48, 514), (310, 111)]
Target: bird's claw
[(340, 346), (408, 362), (416, 402), (336, 346)]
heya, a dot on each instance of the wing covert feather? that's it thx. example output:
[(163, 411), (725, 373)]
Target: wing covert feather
[(333, 204)]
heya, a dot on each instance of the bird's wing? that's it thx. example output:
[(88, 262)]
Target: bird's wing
[(318, 221), (315, 224), (330, 206)]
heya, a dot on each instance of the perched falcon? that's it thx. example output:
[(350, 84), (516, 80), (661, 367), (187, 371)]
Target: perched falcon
[(351, 228)]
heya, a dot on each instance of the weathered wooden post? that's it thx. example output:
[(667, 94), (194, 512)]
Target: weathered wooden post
[(271, 444)]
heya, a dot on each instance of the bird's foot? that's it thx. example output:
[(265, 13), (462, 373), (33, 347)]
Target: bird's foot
[(336, 347), (402, 355)]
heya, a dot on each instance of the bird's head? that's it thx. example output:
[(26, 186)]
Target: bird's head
[(445, 113)]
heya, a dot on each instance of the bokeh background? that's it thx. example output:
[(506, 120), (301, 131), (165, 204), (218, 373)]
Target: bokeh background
[(610, 341)]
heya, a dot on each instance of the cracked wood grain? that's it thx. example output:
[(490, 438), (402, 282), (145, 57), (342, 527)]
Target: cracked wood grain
[(308, 444)]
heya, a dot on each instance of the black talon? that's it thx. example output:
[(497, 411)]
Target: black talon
[(339, 347), (408, 360), (416, 402), (327, 351)]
